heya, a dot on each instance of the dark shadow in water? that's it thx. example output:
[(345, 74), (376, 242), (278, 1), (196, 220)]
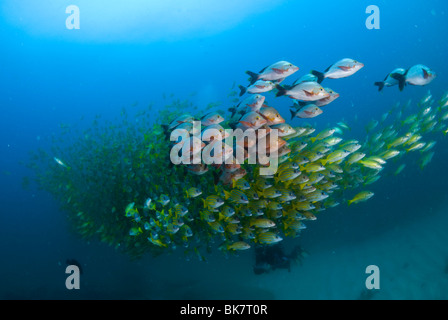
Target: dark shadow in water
[(75, 263), (367, 294), (271, 258)]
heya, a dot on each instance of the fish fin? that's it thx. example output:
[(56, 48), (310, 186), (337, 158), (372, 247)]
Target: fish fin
[(287, 183), (242, 90), (309, 94), (425, 74), (380, 85), (253, 76), (261, 194), (262, 70), (344, 68), (281, 90), (350, 202), (277, 180), (233, 111), (320, 76), (293, 113), (401, 78), (264, 117), (247, 124)]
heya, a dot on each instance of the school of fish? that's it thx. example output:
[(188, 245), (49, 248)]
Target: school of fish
[(118, 184)]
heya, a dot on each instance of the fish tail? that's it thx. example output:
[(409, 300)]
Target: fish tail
[(281, 90), (293, 113), (233, 111), (320, 75), (380, 85), (313, 140), (242, 90), (203, 200), (301, 104), (350, 202), (324, 162), (226, 194), (166, 132), (401, 78), (232, 125), (253, 76)]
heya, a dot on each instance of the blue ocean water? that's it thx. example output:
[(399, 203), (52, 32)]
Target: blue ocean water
[(122, 55)]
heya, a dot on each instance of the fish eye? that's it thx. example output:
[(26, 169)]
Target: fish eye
[(257, 118)]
